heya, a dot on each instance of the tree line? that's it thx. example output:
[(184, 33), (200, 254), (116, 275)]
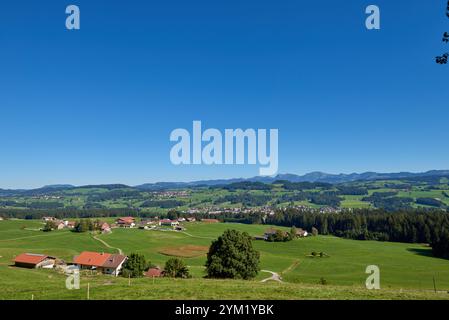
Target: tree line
[(411, 226)]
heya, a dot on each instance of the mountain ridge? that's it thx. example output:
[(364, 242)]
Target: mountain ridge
[(315, 176)]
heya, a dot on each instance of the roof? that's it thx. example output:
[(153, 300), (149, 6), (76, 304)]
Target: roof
[(165, 221), (30, 258), (153, 272), (127, 219), (114, 261), (270, 231), (210, 220), (91, 258)]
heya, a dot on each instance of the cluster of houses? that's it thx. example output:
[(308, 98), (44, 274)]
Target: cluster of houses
[(300, 233), (236, 210), (267, 210), (310, 209), (100, 262), (105, 263), (62, 224), (130, 222), (169, 194)]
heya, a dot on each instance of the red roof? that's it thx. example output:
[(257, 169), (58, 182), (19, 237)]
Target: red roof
[(210, 220), (95, 259), (30, 258), (153, 272), (126, 220), (165, 221), (105, 225)]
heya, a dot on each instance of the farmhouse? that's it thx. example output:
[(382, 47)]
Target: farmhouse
[(269, 232), (91, 260), (105, 228), (191, 219), (71, 224), (59, 225), (48, 218), (168, 222), (32, 260), (301, 233), (126, 222), (102, 262), (114, 264)]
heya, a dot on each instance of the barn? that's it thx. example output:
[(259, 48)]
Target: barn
[(33, 260)]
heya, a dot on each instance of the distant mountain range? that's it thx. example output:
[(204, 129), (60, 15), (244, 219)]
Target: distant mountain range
[(309, 177)]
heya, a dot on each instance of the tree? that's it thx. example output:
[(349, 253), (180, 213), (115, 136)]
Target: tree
[(440, 247), (49, 226), (293, 232), (444, 58), (82, 226), (135, 266), (176, 268), (172, 214), (232, 256)]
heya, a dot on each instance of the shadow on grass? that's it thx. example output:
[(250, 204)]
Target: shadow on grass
[(427, 252)]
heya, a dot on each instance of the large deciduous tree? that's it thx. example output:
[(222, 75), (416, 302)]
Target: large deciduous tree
[(232, 256), (135, 266)]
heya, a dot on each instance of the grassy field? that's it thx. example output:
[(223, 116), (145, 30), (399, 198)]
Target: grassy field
[(407, 270)]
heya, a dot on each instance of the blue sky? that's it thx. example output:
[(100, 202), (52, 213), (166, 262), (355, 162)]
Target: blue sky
[(98, 105)]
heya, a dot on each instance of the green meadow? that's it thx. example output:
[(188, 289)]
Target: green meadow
[(407, 271)]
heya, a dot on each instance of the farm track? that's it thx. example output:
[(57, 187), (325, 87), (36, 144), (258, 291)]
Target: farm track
[(192, 236), (107, 245), (274, 276), (291, 267)]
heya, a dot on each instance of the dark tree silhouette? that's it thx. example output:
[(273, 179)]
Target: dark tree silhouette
[(443, 58), (446, 37)]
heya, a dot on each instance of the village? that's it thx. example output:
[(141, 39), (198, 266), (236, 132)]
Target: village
[(112, 264)]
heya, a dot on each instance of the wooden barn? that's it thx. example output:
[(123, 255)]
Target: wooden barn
[(33, 260)]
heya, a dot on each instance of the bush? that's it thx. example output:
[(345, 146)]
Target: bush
[(279, 236), (49, 226), (176, 268)]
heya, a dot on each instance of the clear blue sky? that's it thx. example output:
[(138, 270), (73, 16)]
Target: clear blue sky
[(98, 105)]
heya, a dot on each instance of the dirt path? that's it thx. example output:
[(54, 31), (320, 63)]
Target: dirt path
[(107, 245), (274, 276), (291, 267), (191, 235)]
